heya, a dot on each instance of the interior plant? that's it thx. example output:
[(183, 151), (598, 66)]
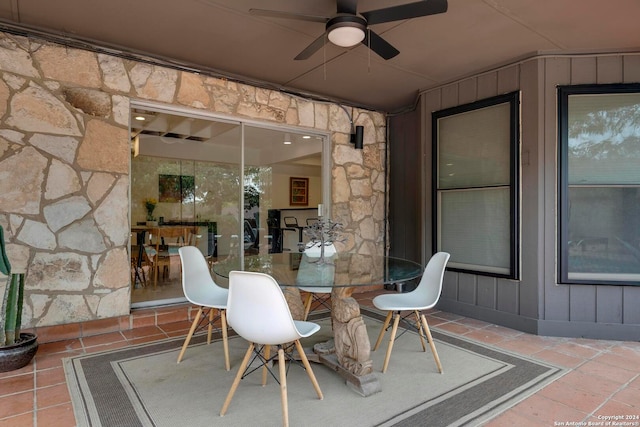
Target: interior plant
[(16, 348), (150, 205)]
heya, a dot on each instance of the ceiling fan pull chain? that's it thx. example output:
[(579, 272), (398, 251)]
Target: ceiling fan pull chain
[(324, 60), (369, 53)]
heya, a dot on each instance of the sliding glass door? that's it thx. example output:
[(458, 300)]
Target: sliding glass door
[(223, 184)]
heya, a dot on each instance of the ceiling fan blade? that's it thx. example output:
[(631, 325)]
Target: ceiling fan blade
[(347, 6), (379, 45), (312, 48), (289, 15), (405, 11)]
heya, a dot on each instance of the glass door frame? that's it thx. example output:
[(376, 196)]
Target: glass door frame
[(325, 177)]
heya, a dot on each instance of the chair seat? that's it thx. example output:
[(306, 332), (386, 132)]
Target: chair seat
[(316, 289), (399, 302), (306, 328), (216, 298)]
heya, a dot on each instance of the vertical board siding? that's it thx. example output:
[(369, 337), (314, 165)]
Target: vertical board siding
[(537, 295), (631, 306), (487, 292), (487, 85), (468, 91), (631, 69), (608, 304), (467, 285), (532, 194), (405, 180), (557, 71), (609, 69), (508, 296), (584, 70), (450, 286), (582, 306)]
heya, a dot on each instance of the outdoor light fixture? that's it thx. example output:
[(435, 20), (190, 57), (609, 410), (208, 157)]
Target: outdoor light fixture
[(358, 137)]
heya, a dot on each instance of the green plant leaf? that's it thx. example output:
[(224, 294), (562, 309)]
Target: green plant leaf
[(5, 265)]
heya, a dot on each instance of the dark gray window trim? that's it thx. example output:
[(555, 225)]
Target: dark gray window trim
[(563, 173), (513, 98)]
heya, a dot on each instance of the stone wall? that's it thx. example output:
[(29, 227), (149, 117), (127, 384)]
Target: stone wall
[(64, 166)]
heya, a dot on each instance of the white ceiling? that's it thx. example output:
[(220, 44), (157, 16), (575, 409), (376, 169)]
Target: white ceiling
[(222, 37)]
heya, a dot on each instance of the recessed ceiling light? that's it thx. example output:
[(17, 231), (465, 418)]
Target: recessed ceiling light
[(140, 118), (306, 137), (287, 143)]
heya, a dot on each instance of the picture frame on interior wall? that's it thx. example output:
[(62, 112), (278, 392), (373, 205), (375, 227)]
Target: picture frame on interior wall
[(299, 191), (175, 188)]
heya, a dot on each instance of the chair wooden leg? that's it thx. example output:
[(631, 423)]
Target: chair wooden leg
[(431, 343), (385, 325), (419, 326), (265, 369), (283, 387), (156, 270), (237, 379), (307, 366), (210, 328), (190, 334), (307, 305), (225, 338), (144, 277), (396, 320)]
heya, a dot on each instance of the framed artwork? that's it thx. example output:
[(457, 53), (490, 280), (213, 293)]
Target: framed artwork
[(176, 188), (299, 191)]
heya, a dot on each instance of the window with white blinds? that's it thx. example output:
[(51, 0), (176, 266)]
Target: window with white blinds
[(475, 178), (599, 185)]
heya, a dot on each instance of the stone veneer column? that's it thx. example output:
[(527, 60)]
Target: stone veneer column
[(64, 167)]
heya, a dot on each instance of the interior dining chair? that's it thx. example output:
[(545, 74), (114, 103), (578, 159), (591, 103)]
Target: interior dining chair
[(167, 241), (200, 289), (259, 313), (423, 297), (139, 260), (319, 294)]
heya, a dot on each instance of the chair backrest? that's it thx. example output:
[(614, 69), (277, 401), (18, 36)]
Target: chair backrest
[(257, 309), (312, 250), (197, 283), (430, 286), (193, 236), (290, 221)]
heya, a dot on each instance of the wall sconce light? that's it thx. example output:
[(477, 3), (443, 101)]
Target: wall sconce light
[(358, 137)]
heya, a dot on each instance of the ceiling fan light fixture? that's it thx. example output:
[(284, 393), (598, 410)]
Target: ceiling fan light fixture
[(346, 36), (346, 30)]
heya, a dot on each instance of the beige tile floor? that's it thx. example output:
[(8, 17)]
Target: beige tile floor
[(603, 377)]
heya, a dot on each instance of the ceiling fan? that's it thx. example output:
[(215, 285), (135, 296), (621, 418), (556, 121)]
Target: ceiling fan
[(347, 27)]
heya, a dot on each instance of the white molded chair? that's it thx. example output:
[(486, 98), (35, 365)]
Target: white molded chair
[(321, 294), (258, 312), (425, 296), (200, 289)]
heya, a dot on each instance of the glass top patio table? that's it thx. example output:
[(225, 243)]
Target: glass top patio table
[(337, 270)]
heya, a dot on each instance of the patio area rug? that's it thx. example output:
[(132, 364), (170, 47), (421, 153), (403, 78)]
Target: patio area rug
[(144, 386)]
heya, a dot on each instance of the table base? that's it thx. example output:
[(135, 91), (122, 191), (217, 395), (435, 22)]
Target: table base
[(365, 385)]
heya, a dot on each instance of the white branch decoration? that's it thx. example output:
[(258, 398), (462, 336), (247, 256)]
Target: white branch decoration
[(323, 233)]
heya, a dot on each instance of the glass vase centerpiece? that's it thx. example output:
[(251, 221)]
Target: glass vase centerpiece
[(150, 205), (322, 234)]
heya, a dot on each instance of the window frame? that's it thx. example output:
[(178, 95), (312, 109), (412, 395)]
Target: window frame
[(563, 94), (513, 99)]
